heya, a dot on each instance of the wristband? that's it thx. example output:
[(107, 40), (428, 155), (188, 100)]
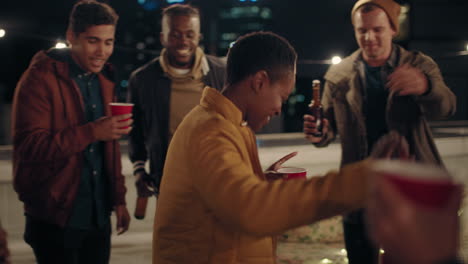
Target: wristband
[(138, 170), (138, 166)]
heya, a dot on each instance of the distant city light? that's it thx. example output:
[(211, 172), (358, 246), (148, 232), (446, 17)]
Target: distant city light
[(140, 56), (124, 83), (326, 261), (336, 60), (2, 33), (150, 40), (175, 1), (466, 46), (140, 45), (60, 45), (300, 98), (149, 5)]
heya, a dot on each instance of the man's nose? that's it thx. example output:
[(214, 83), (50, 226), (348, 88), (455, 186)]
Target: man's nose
[(184, 38), (369, 35), (100, 49)]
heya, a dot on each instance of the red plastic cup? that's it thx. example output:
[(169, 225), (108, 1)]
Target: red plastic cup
[(121, 109), (293, 172), (426, 185)]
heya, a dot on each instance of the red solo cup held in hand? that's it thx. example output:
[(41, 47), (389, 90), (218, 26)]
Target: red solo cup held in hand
[(424, 184), (121, 109), (293, 172)]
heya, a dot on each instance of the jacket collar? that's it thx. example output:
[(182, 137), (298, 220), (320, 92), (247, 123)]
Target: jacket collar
[(60, 59), (389, 64), (214, 100), (199, 69), (61, 68)]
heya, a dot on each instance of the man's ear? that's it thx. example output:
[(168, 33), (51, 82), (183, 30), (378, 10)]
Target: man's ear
[(70, 36), (260, 80), (394, 33), (161, 39)]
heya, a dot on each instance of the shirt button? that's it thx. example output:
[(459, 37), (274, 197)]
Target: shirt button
[(94, 172), (91, 150), (94, 106)]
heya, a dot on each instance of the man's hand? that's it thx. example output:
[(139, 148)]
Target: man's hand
[(123, 219), (407, 80), (271, 173), (410, 233), (112, 127), (144, 184), (310, 128)]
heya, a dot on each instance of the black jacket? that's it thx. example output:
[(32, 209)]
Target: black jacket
[(150, 90)]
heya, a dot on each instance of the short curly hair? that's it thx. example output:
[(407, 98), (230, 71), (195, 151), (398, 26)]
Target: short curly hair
[(258, 51), (87, 13), (181, 10)]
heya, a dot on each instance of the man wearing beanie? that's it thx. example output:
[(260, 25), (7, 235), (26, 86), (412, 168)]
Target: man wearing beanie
[(378, 88)]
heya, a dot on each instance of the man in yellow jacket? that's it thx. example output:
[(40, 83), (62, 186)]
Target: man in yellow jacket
[(216, 205)]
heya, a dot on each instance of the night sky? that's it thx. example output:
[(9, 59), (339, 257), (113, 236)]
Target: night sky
[(317, 29)]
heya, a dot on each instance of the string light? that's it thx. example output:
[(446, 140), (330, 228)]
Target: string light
[(60, 45), (336, 60)]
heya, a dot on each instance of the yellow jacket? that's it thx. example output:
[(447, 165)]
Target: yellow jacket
[(215, 205)]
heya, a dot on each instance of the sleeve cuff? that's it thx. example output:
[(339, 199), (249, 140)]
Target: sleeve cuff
[(138, 166)]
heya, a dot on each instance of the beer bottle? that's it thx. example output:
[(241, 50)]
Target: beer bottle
[(316, 108), (140, 208), (142, 194)]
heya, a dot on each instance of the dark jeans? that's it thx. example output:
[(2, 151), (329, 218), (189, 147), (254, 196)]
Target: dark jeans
[(360, 249), (53, 244)]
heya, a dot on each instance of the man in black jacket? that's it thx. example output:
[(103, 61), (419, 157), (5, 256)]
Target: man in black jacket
[(166, 89)]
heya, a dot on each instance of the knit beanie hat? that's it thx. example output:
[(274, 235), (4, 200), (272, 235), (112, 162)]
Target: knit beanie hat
[(391, 8)]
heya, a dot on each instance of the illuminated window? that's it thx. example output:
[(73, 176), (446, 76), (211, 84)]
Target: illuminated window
[(149, 5), (246, 12)]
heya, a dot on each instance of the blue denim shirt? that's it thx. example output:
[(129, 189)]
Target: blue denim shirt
[(91, 208)]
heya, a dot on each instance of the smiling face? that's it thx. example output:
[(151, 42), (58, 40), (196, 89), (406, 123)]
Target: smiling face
[(91, 49), (180, 36), (374, 35), (266, 100)]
